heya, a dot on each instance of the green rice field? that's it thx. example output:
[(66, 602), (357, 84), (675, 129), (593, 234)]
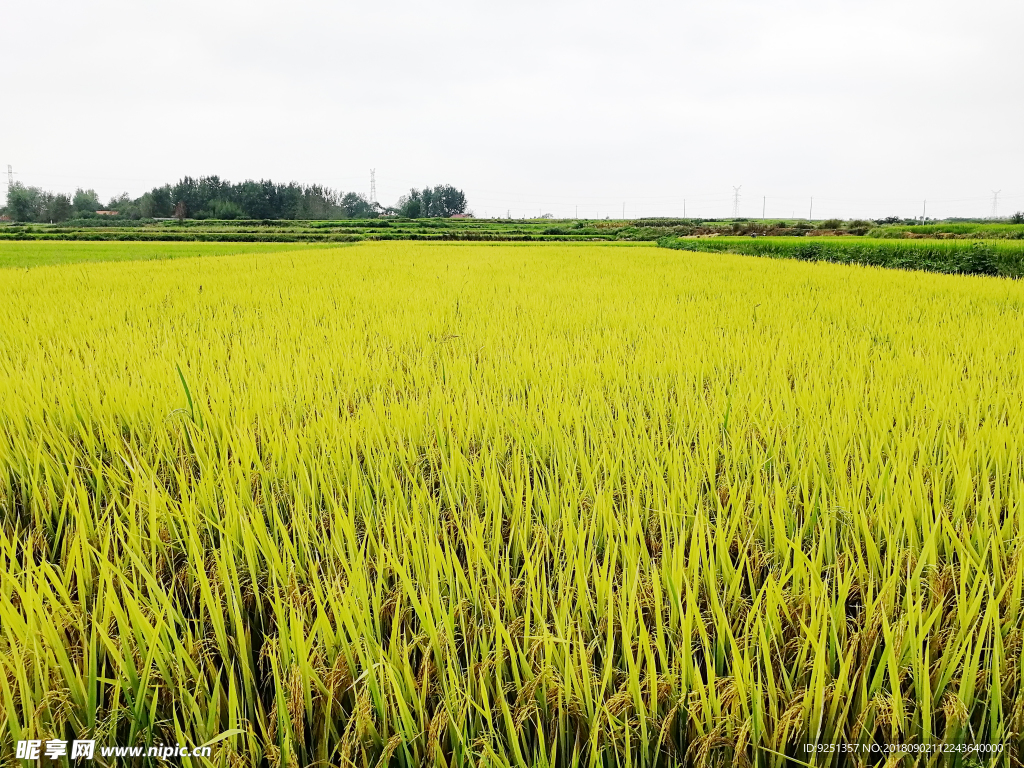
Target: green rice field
[(469, 504)]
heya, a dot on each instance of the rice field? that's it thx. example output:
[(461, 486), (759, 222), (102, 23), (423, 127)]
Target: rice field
[(402, 504)]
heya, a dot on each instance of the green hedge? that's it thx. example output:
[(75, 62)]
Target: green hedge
[(949, 256), (184, 237)]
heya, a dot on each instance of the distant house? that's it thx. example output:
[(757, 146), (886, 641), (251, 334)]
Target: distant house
[(5, 217), (462, 216), (106, 213)]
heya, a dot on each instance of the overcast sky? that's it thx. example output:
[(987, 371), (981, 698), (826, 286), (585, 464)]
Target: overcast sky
[(870, 107)]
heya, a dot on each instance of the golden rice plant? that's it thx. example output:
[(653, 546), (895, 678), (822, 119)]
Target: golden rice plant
[(551, 505)]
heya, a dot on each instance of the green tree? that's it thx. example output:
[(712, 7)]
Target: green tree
[(427, 203), (60, 208), (450, 201), (442, 201), (23, 203), (319, 203), (411, 205), (256, 198), (356, 206), (125, 206), (156, 204), (226, 209), (86, 201)]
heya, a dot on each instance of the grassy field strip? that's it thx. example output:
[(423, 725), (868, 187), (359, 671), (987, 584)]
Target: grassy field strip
[(510, 506), (29, 254), (483, 230), (33, 254)]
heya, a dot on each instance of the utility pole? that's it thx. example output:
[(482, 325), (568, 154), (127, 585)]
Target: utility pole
[(810, 216), (764, 204), (736, 201), (373, 185), (623, 211), (924, 212), (684, 207), (995, 200), (577, 210)]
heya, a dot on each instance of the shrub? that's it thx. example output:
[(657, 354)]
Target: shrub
[(948, 256)]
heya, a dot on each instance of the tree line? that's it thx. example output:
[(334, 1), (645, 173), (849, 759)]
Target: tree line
[(210, 197)]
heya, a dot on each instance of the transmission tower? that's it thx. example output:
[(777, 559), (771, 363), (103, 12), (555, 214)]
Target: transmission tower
[(373, 185), (10, 177), (995, 203), (736, 201)]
